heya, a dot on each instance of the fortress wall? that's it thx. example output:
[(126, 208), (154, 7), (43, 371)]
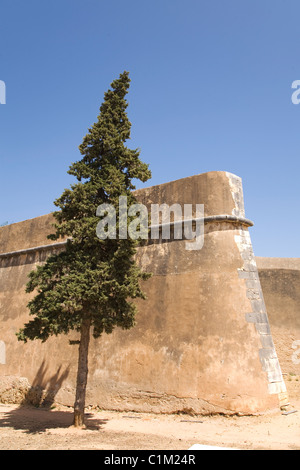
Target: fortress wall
[(27, 234), (280, 281), (202, 339)]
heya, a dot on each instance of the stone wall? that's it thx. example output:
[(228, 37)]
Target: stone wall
[(202, 339), (280, 281)]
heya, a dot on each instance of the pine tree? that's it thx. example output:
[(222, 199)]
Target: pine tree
[(89, 286)]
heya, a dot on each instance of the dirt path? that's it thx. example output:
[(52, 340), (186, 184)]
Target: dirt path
[(37, 428)]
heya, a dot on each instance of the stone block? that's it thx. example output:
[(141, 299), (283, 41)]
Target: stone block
[(263, 328), (267, 341)]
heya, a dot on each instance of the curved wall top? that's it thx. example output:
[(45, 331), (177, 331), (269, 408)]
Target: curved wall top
[(219, 191)]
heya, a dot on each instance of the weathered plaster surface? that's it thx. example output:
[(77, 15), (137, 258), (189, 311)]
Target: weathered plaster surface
[(195, 344)]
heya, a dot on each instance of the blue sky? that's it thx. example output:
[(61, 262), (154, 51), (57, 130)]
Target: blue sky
[(210, 90)]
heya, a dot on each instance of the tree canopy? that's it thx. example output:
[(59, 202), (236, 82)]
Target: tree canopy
[(91, 282)]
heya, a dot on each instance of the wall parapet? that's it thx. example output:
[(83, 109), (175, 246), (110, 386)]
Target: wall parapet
[(209, 219), (34, 249)]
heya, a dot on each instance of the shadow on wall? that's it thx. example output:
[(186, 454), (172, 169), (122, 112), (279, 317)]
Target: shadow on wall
[(41, 392)]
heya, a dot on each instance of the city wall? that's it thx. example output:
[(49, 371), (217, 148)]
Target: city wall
[(280, 281), (203, 340)]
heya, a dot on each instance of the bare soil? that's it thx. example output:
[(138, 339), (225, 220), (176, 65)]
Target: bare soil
[(26, 427)]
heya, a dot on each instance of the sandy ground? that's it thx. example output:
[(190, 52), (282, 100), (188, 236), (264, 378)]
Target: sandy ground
[(24, 427)]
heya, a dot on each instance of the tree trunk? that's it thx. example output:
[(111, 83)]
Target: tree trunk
[(82, 373)]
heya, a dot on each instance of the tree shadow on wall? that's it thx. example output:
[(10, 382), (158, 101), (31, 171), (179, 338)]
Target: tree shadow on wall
[(43, 391), (35, 414)]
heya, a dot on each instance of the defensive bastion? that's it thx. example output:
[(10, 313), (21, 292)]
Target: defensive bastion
[(203, 339)]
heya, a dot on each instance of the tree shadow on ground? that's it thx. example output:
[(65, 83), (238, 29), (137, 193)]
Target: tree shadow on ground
[(35, 413), (33, 420)]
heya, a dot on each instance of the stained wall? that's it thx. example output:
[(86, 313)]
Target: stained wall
[(203, 339)]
